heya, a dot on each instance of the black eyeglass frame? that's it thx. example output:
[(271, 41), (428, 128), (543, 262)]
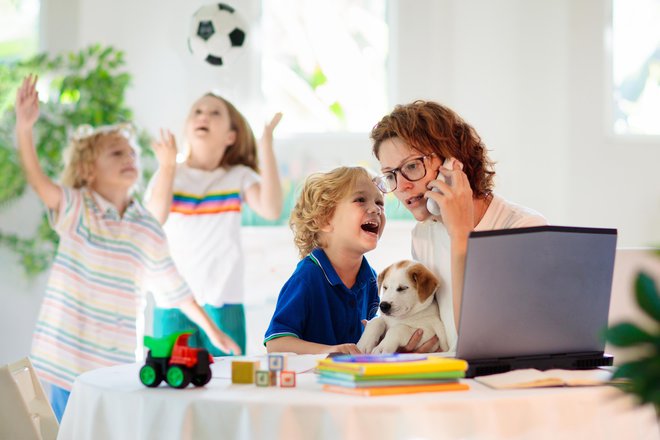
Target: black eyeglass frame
[(379, 181)]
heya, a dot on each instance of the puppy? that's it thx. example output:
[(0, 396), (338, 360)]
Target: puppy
[(407, 302)]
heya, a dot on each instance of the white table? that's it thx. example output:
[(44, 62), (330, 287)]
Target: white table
[(111, 403)]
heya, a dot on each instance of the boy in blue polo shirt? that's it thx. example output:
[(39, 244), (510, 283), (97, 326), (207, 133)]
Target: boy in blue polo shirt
[(338, 217)]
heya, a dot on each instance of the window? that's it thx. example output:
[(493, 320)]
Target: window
[(19, 26), (636, 66), (324, 63)]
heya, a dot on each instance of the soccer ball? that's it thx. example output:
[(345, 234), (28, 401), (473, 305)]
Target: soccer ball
[(217, 34)]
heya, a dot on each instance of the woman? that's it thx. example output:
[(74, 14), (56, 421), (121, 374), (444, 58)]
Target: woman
[(411, 144)]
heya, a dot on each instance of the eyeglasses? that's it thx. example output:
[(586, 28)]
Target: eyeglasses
[(413, 170)]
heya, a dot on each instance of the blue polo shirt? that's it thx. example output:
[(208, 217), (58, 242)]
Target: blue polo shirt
[(315, 305)]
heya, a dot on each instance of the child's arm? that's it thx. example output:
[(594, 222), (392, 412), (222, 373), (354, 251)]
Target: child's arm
[(218, 338), (27, 113), (294, 345), (160, 198), (265, 198)]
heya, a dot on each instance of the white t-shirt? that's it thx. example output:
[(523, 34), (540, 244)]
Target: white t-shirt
[(203, 229), (431, 246)]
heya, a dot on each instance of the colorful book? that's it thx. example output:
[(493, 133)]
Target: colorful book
[(382, 383), (407, 389), (355, 378), (370, 365)]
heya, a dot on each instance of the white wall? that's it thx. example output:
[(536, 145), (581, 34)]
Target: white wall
[(529, 75)]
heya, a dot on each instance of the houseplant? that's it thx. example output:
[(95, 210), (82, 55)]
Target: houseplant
[(84, 87), (642, 375)]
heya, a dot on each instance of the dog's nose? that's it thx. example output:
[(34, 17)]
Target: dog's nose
[(385, 307)]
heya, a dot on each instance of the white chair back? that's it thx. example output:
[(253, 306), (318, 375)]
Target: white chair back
[(25, 412)]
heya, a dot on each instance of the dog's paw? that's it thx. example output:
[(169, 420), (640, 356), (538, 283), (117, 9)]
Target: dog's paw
[(384, 348)]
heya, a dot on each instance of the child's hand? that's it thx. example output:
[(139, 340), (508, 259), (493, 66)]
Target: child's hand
[(165, 148), (269, 128), (221, 340), (27, 103), (345, 348)]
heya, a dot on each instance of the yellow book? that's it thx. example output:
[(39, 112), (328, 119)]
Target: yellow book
[(404, 389), (370, 365)]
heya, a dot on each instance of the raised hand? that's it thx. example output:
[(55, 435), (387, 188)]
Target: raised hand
[(269, 128), (27, 103), (165, 148)]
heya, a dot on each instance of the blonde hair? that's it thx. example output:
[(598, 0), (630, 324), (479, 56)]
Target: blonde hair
[(317, 203), (244, 150), (85, 147)]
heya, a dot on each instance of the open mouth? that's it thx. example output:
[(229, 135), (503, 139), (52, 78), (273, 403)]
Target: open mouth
[(201, 129), (415, 199), (371, 227)]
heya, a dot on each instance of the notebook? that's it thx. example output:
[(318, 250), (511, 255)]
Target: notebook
[(536, 298)]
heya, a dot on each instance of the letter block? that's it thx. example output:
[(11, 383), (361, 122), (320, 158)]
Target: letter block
[(287, 379), (243, 371)]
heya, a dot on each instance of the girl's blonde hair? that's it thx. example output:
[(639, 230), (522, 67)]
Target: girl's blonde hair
[(317, 203), (85, 147), (244, 149)]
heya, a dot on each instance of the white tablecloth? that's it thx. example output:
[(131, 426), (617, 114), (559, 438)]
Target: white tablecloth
[(111, 403)]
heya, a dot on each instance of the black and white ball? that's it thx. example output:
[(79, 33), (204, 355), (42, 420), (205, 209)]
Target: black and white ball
[(217, 34)]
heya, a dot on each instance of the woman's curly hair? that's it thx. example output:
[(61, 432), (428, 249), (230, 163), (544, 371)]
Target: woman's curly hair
[(429, 127), (317, 203), (85, 147)]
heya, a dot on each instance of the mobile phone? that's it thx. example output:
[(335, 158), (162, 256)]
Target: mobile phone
[(431, 205)]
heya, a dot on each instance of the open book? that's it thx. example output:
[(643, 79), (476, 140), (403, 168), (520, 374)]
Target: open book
[(532, 378)]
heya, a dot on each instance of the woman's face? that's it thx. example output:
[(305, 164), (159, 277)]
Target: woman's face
[(393, 154)]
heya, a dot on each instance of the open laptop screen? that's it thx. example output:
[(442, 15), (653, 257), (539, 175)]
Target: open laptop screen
[(536, 291)]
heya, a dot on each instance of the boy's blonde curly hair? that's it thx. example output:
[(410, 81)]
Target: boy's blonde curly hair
[(85, 147), (317, 203)]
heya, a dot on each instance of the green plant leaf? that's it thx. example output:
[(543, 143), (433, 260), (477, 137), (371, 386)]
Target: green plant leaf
[(626, 334), (647, 296), (85, 87)]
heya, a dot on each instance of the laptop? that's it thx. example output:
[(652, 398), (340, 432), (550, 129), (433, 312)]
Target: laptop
[(536, 297)]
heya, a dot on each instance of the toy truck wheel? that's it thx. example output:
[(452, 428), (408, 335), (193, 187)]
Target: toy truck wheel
[(150, 376), (178, 376), (201, 379)]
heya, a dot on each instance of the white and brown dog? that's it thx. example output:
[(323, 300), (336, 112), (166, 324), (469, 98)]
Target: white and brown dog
[(407, 302)]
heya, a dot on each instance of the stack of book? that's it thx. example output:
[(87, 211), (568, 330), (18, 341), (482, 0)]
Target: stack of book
[(374, 375)]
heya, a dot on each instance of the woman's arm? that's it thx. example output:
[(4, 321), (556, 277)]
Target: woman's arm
[(457, 206), (196, 314), (265, 198), (27, 113), (292, 344), (160, 198)]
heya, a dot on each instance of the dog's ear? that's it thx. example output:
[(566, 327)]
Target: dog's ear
[(426, 282), (381, 276)]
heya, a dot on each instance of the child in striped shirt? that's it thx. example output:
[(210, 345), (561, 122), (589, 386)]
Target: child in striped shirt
[(111, 249)]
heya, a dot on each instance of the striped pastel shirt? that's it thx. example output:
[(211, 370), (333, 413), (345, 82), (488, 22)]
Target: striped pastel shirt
[(103, 264)]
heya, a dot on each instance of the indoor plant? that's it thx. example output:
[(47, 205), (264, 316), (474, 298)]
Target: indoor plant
[(84, 87), (641, 375)]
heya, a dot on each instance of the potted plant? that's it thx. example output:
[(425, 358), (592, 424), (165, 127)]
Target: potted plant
[(84, 87), (641, 375)]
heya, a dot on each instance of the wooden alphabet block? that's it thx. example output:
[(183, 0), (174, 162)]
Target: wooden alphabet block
[(287, 379), (277, 362), (262, 378), (243, 371)]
